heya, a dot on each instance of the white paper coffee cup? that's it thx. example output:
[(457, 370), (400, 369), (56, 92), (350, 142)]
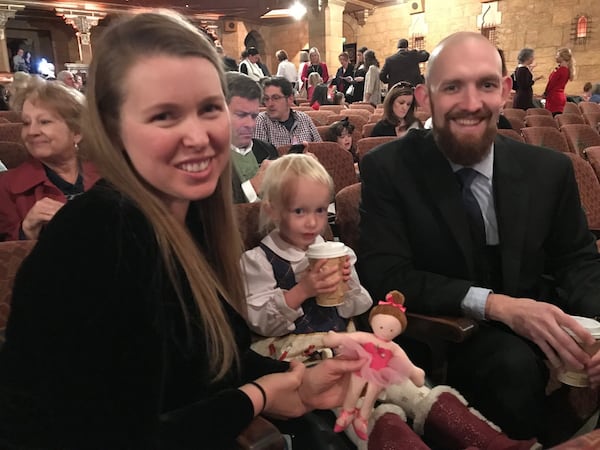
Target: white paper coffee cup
[(335, 254), (578, 378)]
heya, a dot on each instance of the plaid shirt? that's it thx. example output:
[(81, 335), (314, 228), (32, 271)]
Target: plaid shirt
[(273, 131)]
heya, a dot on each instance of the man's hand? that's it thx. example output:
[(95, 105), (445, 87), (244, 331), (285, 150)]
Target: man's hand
[(544, 324), (256, 180)]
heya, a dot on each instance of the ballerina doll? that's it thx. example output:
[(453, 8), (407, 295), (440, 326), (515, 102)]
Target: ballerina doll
[(386, 363)]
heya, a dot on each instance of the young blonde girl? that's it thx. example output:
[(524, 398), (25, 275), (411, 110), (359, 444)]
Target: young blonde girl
[(280, 286), (314, 79)]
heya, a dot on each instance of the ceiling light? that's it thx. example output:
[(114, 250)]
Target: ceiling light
[(296, 11)]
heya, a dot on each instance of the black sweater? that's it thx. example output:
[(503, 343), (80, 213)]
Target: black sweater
[(96, 352)]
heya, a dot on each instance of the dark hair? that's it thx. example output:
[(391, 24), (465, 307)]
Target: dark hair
[(362, 50), (280, 82), (503, 61), (338, 97), (252, 51), (370, 59), (336, 129), (401, 88), (281, 55), (320, 95), (241, 85), (402, 43)]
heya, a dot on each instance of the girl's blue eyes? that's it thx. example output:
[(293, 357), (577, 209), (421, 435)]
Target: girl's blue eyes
[(300, 211)]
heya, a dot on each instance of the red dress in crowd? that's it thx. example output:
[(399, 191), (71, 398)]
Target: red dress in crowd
[(555, 89)]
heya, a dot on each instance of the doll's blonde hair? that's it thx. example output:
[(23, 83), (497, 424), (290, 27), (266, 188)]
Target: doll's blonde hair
[(279, 182)]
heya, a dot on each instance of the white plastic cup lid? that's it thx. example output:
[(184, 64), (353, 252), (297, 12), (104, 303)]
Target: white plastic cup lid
[(593, 326), (328, 249)]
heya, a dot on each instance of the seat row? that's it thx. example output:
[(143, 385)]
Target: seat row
[(521, 119), (570, 107), (572, 138)]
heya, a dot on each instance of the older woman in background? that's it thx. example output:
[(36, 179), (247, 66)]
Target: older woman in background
[(32, 193), (398, 112), (524, 79)]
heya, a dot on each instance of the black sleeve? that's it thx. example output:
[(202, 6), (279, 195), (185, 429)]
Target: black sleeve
[(244, 69), (383, 73), (383, 128)]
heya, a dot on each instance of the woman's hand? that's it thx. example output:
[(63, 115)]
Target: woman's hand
[(281, 390), (325, 385), (39, 215)]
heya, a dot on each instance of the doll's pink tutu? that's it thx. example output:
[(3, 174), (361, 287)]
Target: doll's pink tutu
[(380, 367)]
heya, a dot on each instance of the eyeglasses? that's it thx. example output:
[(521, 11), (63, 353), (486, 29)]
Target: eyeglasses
[(403, 85), (275, 98)]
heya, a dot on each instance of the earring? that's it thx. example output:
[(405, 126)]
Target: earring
[(76, 147)]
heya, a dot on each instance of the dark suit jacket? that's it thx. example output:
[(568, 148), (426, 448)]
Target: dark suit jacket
[(415, 238), (262, 150), (403, 66)]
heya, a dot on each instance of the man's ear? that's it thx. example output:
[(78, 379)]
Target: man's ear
[(506, 87), (422, 97)]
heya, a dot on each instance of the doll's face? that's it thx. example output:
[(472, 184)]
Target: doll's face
[(385, 327)]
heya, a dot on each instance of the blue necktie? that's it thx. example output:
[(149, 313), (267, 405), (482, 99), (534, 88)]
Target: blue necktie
[(465, 178)]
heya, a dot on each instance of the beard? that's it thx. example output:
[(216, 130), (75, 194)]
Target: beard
[(468, 149)]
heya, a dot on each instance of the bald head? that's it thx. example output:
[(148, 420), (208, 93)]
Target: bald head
[(465, 90), (459, 45)]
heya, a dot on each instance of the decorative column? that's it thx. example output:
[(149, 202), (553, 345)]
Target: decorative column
[(6, 12), (82, 22), (326, 30)]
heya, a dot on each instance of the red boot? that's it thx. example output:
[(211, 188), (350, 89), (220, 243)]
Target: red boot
[(443, 417), (390, 432)]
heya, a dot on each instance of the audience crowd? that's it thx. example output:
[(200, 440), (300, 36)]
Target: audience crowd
[(134, 317)]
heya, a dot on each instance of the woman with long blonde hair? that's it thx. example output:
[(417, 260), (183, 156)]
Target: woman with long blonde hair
[(127, 328), (558, 79)]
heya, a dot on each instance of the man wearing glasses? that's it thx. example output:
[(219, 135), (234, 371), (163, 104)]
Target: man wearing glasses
[(279, 124)]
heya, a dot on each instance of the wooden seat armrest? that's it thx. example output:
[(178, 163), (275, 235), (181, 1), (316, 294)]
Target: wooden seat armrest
[(260, 435), (445, 328)]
